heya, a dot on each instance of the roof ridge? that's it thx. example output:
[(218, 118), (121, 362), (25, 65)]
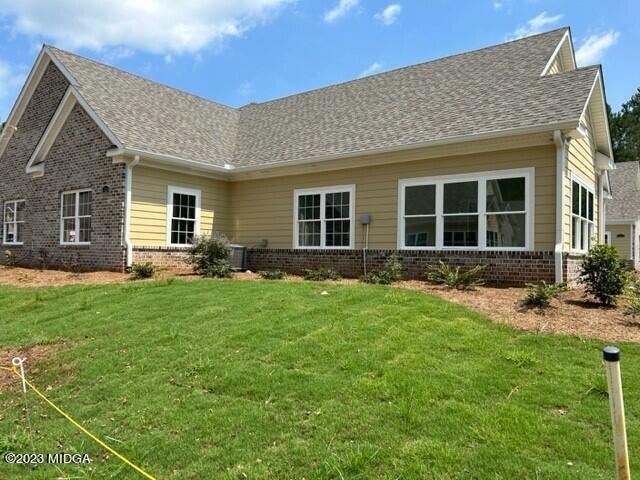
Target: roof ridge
[(184, 92), (406, 67)]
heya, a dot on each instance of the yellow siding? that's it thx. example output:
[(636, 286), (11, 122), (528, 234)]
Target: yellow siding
[(622, 244), (149, 192), (263, 209), (581, 162)]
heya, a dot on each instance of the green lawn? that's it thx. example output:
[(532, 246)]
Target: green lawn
[(236, 379)]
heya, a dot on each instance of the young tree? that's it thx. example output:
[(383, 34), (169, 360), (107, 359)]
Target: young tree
[(625, 130)]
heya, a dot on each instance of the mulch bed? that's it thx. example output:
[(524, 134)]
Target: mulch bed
[(572, 314)]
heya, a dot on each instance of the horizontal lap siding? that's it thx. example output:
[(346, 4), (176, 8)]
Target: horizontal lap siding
[(263, 209), (581, 161), (621, 244), (149, 192)]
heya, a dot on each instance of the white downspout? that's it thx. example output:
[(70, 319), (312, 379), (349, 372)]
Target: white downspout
[(601, 207), (127, 209), (560, 166)]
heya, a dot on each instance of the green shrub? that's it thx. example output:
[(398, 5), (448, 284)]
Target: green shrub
[(391, 272), (272, 274), (209, 256), (321, 274), (541, 294), (455, 277), (632, 296), (143, 270), (603, 274), (10, 258)]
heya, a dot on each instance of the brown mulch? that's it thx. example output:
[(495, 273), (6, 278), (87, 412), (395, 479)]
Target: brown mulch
[(572, 314)]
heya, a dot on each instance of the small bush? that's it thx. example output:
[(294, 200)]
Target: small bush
[(632, 296), (143, 270), (541, 294), (391, 272), (272, 274), (455, 277), (10, 258), (603, 274), (321, 274), (208, 255)]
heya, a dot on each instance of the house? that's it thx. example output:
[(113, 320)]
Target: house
[(498, 156), (623, 212)]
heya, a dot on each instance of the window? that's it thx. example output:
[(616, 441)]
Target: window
[(13, 225), (582, 217), (492, 210), (75, 219), (324, 217), (183, 208)]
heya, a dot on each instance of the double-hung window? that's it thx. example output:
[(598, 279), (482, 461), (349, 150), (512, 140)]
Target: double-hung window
[(75, 217), (183, 216), (13, 222), (324, 217), (582, 218), (488, 211)]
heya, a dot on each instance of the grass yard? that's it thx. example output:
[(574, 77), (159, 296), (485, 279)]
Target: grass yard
[(256, 379)]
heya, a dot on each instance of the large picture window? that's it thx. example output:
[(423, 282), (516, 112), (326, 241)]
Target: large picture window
[(13, 222), (492, 210), (183, 209), (324, 217), (582, 218), (75, 219)]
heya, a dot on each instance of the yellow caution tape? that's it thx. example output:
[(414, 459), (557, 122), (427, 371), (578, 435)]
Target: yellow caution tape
[(78, 426)]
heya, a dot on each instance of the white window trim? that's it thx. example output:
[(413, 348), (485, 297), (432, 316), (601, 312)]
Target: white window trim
[(77, 216), (323, 191), (607, 235), (481, 177), (184, 191), (15, 222), (591, 188)]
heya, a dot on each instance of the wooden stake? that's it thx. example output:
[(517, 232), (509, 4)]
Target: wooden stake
[(611, 357)]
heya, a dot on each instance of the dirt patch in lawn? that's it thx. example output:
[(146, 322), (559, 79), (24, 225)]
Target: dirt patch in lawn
[(572, 314), (34, 356)]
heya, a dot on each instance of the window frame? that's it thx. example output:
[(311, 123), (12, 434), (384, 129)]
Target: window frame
[(171, 190), (15, 222), (76, 217), (481, 177), (323, 191), (590, 189)]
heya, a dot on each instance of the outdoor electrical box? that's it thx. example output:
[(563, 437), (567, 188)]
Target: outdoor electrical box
[(365, 219)]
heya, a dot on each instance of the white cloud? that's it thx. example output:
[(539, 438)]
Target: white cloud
[(535, 25), (10, 80), (593, 48), (157, 26), (117, 53), (373, 68), (168, 58), (390, 14), (498, 5), (340, 10), (246, 89)]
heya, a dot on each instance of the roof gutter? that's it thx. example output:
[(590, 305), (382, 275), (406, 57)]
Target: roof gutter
[(561, 155), (231, 169), (168, 158)]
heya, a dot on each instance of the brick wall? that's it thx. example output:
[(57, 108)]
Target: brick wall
[(77, 160), (164, 257), (571, 265), (504, 268)]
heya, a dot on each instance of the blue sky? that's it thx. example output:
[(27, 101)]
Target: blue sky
[(239, 51)]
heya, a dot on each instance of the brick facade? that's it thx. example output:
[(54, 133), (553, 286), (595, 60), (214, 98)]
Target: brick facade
[(77, 160), (164, 257), (504, 268)]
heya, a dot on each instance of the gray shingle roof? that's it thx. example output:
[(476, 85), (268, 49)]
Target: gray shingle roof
[(489, 90), (625, 204)]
